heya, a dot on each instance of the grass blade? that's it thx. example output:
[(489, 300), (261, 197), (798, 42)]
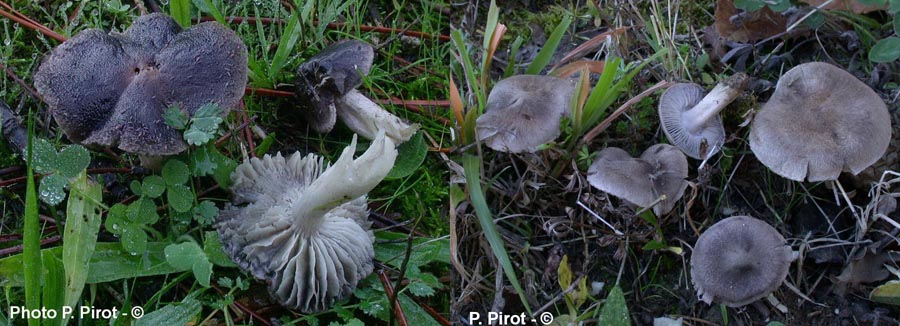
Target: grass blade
[(31, 242), (216, 13), (472, 167), (180, 10), (110, 262), (493, 32), (53, 287), (468, 67), (80, 239), (543, 57), (286, 45), (513, 49)]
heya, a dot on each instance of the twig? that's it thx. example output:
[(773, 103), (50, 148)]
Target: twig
[(434, 314), (21, 82), (27, 22), (267, 92), (364, 28), (18, 248), (7, 182), (404, 264), (244, 308), (617, 232), (389, 291), (247, 133)]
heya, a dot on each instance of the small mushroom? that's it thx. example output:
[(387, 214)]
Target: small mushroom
[(691, 121), (739, 260), (523, 112), (12, 130), (820, 121), (326, 86), (302, 226), (659, 171), (112, 89)]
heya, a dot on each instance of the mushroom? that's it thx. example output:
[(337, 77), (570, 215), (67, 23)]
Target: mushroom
[(523, 112), (12, 130), (739, 260), (659, 171), (691, 121), (112, 89), (326, 85), (820, 121), (302, 225)]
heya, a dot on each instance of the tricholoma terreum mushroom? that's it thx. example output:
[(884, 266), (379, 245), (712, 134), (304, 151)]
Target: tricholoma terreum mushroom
[(691, 120), (326, 85), (523, 112), (302, 226), (112, 89), (659, 171), (820, 121), (739, 260)]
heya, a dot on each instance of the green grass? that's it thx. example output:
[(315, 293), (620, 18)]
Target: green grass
[(275, 50)]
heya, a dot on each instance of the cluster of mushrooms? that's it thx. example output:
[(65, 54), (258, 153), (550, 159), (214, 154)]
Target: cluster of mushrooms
[(820, 121), (298, 223)]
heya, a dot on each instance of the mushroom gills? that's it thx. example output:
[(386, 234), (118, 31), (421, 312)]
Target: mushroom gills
[(302, 225)]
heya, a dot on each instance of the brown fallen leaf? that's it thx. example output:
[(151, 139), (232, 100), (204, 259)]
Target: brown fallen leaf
[(738, 26), (569, 69)]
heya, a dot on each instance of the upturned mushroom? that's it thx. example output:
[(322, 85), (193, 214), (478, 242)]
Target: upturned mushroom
[(523, 112), (660, 171), (691, 121), (302, 226), (739, 260), (326, 86), (820, 121), (112, 89)]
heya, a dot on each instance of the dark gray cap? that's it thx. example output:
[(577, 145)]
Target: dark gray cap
[(112, 89), (328, 75), (739, 260)]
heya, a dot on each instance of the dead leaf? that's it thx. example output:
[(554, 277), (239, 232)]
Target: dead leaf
[(571, 68), (738, 26)]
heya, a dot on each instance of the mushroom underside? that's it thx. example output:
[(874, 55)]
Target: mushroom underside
[(302, 225), (699, 143)]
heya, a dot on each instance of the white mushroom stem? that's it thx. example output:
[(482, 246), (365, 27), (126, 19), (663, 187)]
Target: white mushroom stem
[(366, 118), (347, 179), (716, 100)]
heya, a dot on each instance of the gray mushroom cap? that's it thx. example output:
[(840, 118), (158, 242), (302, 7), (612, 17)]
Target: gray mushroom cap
[(739, 260), (820, 121), (328, 75), (302, 225), (112, 89), (523, 112), (660, 170)]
